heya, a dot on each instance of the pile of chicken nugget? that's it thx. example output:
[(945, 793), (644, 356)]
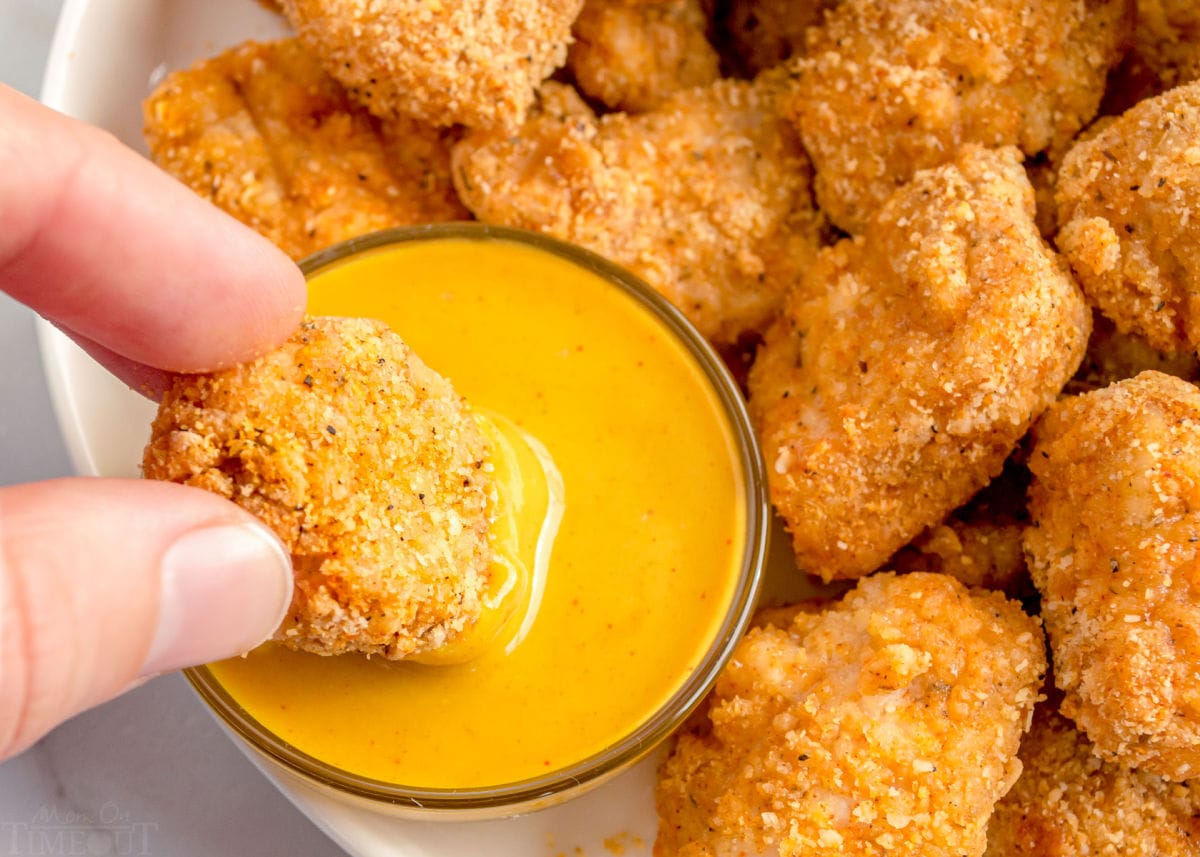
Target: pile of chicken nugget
[(953, 248)]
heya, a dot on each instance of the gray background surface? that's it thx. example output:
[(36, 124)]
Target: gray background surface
[(148, 773)]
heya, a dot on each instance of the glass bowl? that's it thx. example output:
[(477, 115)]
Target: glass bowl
[(559, 785)]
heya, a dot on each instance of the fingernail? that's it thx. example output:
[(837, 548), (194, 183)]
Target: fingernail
[(225, 589)]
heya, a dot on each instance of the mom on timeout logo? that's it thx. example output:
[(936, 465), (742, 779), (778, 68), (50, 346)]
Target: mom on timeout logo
[(57, 832)]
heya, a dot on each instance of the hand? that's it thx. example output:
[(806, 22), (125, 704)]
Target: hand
[(104, 582)]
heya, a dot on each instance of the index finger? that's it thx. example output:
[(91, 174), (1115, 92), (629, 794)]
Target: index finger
[(125, 258)]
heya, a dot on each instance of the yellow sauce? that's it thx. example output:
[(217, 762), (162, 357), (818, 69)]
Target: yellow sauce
[(647, 555)]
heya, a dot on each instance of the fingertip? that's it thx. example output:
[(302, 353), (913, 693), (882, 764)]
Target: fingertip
[(223, 590)]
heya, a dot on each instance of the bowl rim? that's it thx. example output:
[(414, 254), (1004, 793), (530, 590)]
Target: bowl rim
[(596, 768)]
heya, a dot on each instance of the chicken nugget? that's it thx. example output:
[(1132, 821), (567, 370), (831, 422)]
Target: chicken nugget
[(909, 361), (889, 87), (707, 197), (633, 54), (1129, 205), (443, 62), (885, 724), (1113, 549), (266, 135), (1068, 803), (764, 33), (368, 466)]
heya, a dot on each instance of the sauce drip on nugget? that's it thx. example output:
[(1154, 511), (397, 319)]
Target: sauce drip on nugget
[(368, 466)]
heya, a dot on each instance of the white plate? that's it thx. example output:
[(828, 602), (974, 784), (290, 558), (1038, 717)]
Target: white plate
[(106, 57)]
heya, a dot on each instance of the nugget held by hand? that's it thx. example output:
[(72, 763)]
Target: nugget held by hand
[(706, 197), (1114, 549), (368, 466), (266, 135), (1068, 803), (443, 62), (889, 87), (909, 361), (884, 724), (1129, 205)]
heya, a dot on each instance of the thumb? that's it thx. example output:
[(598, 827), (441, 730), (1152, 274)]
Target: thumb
[(104, 581)]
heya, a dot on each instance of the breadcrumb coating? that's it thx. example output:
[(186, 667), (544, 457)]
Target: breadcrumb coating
[(889, 87), (444, 62), (368, 466), (1113, 356), (1115, 505), (633, 54), (266, 135), (764, 33), (909, 362), (1128, 200), (980, 543), (707, 197), (1068, 803), (885, 724)]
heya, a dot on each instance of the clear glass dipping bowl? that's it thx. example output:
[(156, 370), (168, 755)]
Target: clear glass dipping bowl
[(556, 786)]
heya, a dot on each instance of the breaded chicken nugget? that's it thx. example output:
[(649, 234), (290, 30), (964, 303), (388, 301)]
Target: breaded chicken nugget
[(266, 135), (444, 62), (707, 197), (980, 543), (909, 361), (889, 87), (1068, 803), (633, 54), (764, 33), (1113, 356), (1113, 548), (885, 724), (1129, 205), (367, 465)]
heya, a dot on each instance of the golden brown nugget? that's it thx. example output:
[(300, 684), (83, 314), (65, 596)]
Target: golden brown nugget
[(885, 724), (266, 135), (764, 33), (633, 54), (1115, 508), (1113, 356), (443, 62), (889, 87), (909, 361), (707, 197), (1128, 201), (368, 466), (1068, 803)]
